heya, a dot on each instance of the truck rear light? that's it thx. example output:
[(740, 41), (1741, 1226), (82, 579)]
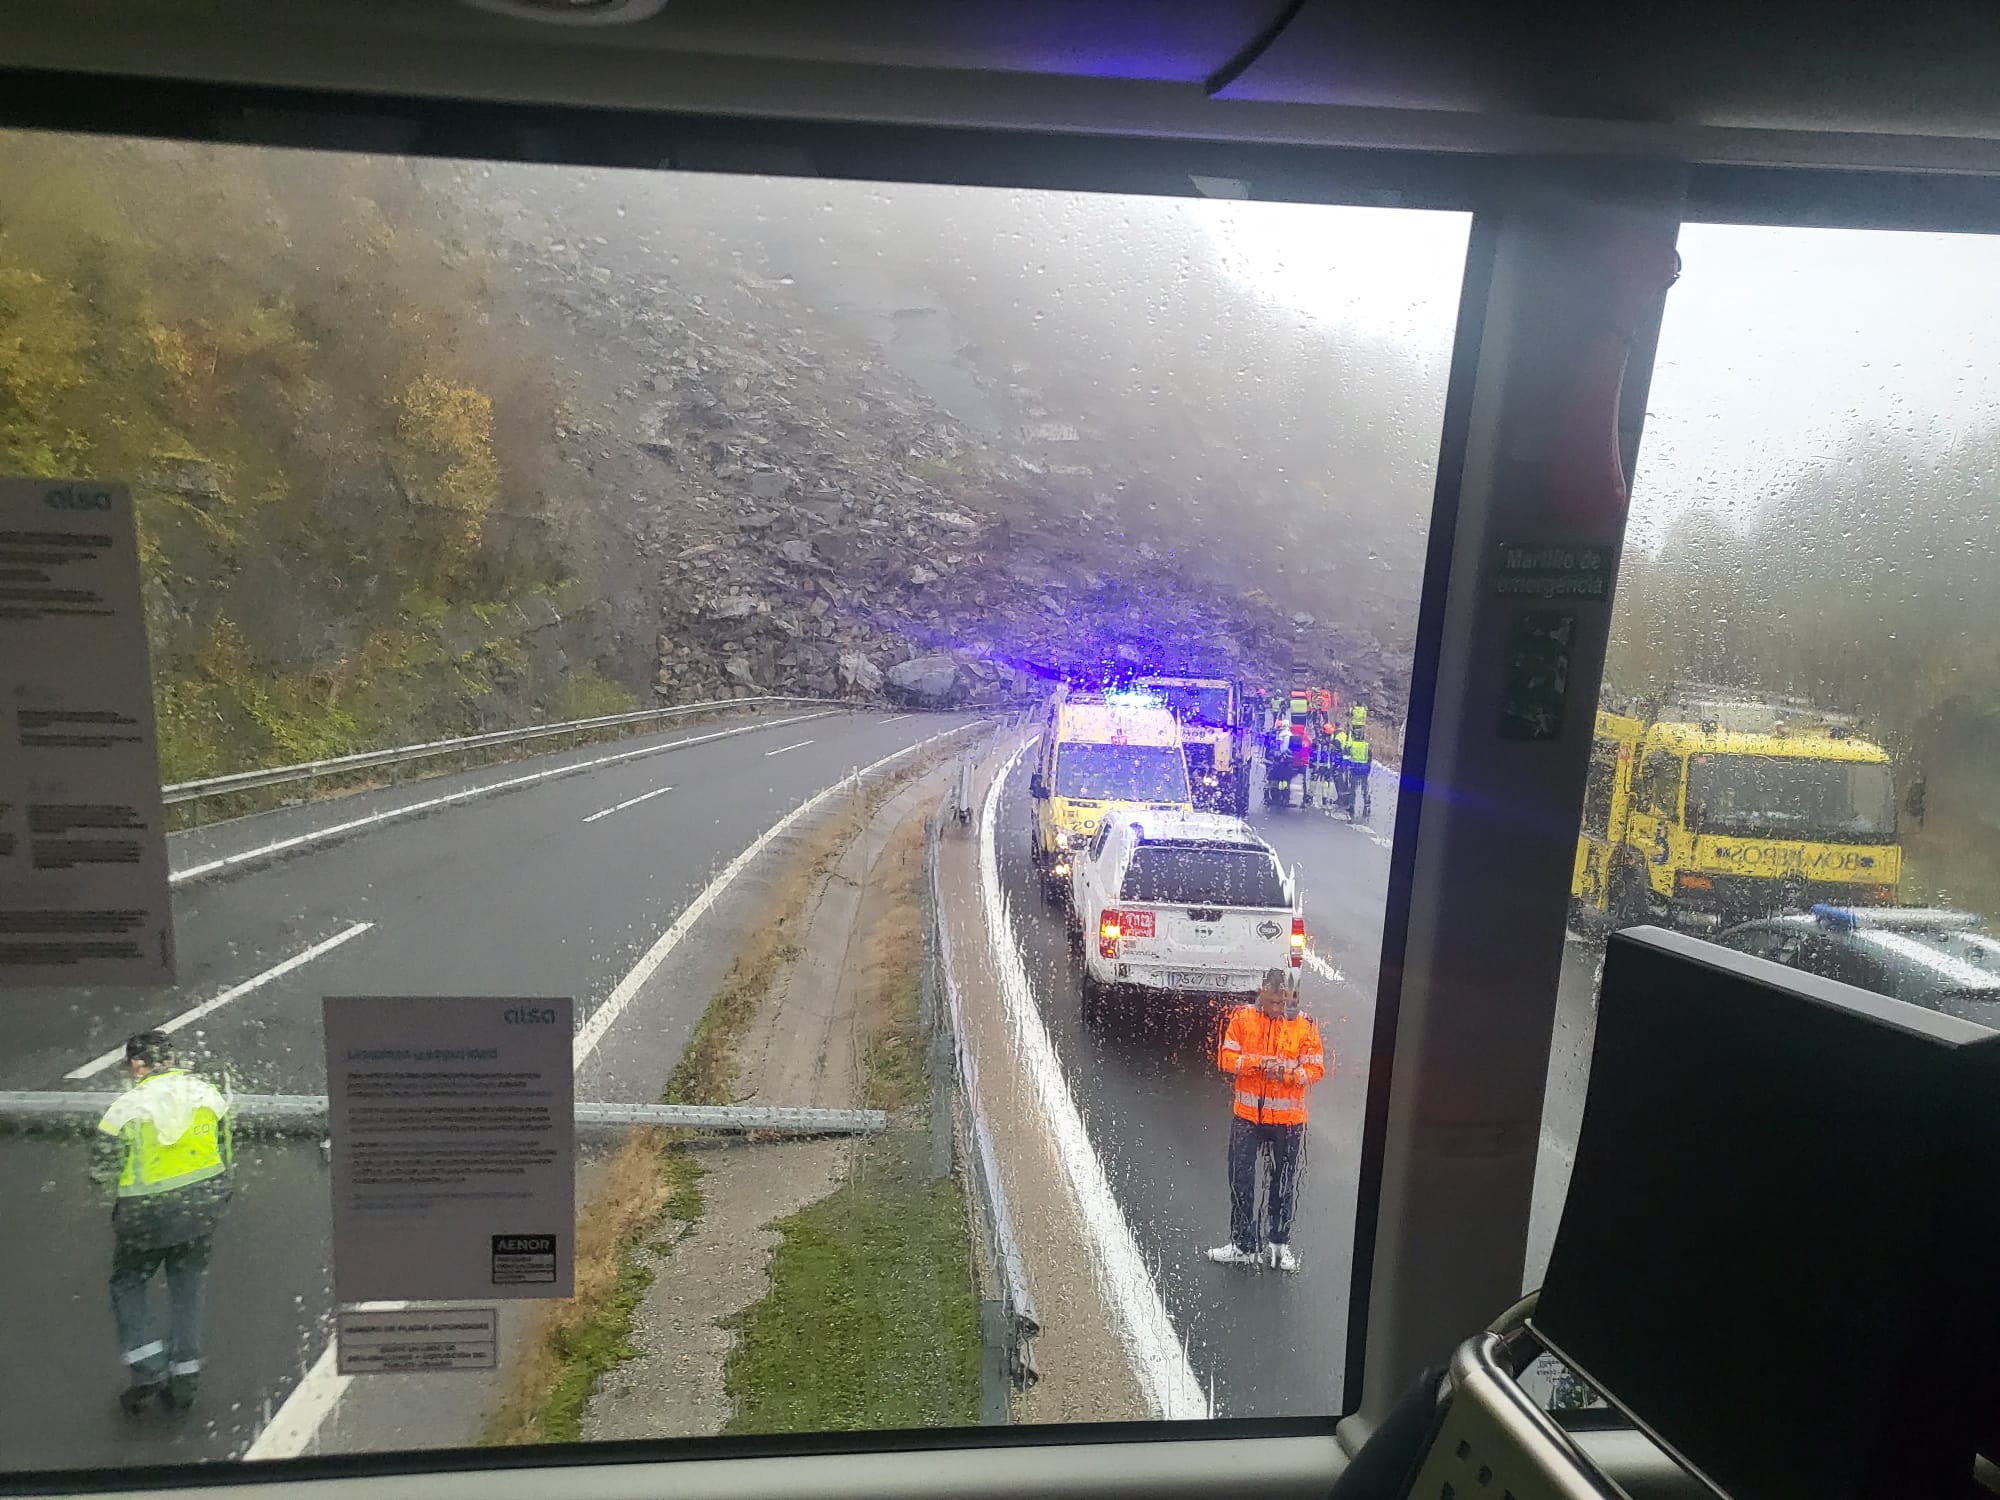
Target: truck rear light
[(1109, 929), (1694, 882), (1298, 941), (1879, 895)]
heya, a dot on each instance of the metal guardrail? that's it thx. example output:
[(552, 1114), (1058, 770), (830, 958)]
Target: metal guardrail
[(312, 770), (1014, 1322), (305, 1114)]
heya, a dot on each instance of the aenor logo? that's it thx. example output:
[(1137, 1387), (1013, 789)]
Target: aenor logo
[(76, 497), (530, 1015)]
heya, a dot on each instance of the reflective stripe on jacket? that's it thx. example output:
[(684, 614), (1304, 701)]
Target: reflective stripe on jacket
[(1277, 1098), (173, 1131)]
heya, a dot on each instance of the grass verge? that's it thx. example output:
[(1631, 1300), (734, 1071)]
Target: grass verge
[(875, 1279), (654, 1174)]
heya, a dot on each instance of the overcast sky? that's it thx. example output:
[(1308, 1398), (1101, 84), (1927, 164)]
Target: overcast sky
[(1778, 344)]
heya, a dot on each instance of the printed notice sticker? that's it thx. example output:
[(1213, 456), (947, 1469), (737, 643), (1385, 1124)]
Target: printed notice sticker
[(453, 1122), (417, 1341), (83, 845)]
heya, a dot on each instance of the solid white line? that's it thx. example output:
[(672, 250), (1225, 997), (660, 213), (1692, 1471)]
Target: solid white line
[(629, 802), (593, 1029), (783, 748), (1156, 1352), (234, 992), (391, 814), (297, 1422)]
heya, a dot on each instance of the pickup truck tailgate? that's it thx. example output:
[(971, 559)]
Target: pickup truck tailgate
[(1212, 937)]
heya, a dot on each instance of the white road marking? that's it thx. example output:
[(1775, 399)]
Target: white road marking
[(1158, 1356), (392, 814), (893, 719), (1324, 969), (629, 802), (295, 1425), (234, 992), (783, 748)]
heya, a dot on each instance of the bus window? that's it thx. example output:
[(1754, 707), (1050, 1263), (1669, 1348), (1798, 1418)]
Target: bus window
[(1801, 611), (719, 522)]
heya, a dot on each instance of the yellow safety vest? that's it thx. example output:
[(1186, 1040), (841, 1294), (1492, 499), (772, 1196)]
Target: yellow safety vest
[(175, 1131)]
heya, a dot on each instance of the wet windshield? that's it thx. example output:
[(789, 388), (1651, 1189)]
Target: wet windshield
[(1768, 796), (628, 601), (1123, 773), (1203, 875)]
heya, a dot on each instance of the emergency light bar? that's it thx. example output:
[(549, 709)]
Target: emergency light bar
[(1896, 918)]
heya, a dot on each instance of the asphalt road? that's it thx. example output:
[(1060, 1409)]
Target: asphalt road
[(1158, 1112), (555, 888)]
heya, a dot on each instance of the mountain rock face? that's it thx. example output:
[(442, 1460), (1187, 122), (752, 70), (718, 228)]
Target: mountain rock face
[(782, 508)]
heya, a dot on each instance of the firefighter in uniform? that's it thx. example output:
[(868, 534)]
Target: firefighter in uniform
[(167, 1146), (1275, 1055)]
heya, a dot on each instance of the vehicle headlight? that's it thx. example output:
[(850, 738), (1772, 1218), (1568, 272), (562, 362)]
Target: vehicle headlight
[(1062, 838)]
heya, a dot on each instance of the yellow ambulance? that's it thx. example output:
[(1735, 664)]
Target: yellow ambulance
[(1100, 754)]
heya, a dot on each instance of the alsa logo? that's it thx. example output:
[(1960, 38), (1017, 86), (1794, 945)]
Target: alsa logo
[(530, 1015), (76, 497)]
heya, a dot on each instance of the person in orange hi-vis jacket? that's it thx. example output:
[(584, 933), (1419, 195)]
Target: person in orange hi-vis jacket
[(1275, 1056)]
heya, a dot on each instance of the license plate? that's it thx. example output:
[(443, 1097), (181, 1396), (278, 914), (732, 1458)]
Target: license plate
[(1190, 979)]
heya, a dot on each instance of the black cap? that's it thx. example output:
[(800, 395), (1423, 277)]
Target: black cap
[(150, 1047)]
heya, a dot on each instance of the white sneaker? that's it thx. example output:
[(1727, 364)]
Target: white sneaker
[(1280, 1258), (1229, 1255)]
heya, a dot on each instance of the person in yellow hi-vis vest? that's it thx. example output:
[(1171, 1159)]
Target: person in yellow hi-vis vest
[(167, 1146)]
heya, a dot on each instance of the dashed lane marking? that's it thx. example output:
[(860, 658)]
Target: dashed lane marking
[(629, 802), (431, 804), (800, 745), (1324, 969)]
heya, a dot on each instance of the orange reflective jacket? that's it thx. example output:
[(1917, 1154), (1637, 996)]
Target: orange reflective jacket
[(1276, 1097)]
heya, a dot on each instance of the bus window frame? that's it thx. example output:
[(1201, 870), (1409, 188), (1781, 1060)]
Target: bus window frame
[(207, 111)]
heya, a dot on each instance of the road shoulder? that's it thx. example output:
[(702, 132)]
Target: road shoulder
[(1085, 1376)]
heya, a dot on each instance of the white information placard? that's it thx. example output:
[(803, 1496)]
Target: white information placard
[(453, 1121), (417, 1340), (83, 844)]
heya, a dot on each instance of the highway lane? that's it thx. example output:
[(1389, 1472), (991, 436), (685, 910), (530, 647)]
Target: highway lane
[(526, 892), (1158, 1112), (233, 927)]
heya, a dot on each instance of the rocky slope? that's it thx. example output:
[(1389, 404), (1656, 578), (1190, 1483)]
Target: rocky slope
[(782, 508)]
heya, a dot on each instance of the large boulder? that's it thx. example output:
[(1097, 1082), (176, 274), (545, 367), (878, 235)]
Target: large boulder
[(929, 680)]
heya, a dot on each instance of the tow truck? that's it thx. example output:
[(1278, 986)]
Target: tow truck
[(1712, 807)]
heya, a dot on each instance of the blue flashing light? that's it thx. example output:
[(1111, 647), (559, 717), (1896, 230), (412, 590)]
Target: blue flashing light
[(1134, 698), (1841, 918)]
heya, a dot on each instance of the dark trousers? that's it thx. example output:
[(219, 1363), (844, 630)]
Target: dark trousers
[(1248, 1143), (149, 1357)]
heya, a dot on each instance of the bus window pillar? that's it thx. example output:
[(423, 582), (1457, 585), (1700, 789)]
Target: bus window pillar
[(1565, 281)]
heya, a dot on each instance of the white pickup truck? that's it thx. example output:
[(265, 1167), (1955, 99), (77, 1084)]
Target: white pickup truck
[(1177, 906)]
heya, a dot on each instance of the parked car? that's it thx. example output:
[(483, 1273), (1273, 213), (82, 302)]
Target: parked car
[(1939, 959), (1172, 907)]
